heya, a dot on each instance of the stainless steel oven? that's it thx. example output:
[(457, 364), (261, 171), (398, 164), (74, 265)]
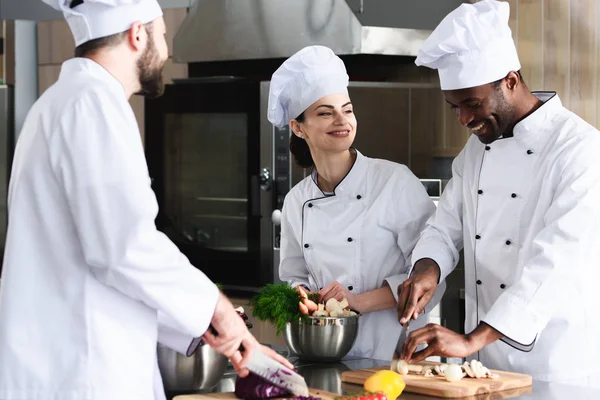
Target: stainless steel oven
[(220, 169), (6, 151)]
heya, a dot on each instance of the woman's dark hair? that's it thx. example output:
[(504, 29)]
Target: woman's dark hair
[(299, 148)]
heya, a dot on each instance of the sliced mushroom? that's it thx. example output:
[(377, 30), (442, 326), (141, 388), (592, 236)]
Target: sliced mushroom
[(467, 367), (402, 367), (453, 373), (343, 303), (333, 305)]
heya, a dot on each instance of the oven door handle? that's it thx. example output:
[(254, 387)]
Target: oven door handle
[(254, 196)]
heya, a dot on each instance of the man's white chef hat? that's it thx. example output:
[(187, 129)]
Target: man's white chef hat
[(305, 77), (95, 19), (472, 46)]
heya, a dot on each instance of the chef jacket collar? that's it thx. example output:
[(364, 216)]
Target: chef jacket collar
[(352, 182), (532, 131), (79, 65)]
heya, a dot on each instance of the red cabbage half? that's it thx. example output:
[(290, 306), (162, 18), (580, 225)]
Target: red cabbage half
[(254, 387)]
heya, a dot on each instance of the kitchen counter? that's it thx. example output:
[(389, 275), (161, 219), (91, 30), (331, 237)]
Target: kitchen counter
[(328, 376)]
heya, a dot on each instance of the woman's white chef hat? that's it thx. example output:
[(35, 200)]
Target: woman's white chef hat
[(472, 46), (94, 19), (305, 77)]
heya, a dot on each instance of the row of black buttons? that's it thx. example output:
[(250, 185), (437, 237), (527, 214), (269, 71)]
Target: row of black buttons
[(513, 195), (529, 152), (306, 245), (349, 287), (508, 242), (358, 197), (502, 285)]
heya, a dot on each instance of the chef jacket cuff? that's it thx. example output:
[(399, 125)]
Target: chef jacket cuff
[(443, 258), (305, 284), (177, 340), (437, 297), (515, 321), (394, 282)]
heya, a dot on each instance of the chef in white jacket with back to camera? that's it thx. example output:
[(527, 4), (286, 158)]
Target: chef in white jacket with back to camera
[(89, 285), (523, 202), (348, 229)]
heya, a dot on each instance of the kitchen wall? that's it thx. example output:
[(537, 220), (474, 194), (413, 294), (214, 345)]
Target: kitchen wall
[(558, 43)]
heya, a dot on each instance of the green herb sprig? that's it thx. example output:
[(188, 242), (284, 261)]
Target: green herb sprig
[(278, 304)]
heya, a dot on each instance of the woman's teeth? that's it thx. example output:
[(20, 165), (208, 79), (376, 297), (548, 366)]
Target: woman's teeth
[(339, 133), (478, 127)]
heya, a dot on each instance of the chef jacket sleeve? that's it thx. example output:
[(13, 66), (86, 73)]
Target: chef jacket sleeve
[(173, 337), (97, 155), (413, 208), (563, 252), (442, 238), (292, 265)]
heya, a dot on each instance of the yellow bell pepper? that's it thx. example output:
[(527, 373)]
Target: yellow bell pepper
[(386, 381)]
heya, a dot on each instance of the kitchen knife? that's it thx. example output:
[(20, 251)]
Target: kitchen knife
[(272, 371), (399, 345), (277, 374)]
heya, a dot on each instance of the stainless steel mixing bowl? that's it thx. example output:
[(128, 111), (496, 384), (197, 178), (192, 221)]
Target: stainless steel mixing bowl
[(181, 374), (322, 338)]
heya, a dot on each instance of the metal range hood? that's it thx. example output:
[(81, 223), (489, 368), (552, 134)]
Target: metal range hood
[(225, 30)]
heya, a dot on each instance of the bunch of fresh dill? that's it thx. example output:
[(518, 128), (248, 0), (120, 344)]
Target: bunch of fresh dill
[(277, 303)]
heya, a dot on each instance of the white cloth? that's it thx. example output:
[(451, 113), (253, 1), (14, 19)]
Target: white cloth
[(472, 46), (531, 242), (362, 236), (95, 19), (89, 284), (310, 74)]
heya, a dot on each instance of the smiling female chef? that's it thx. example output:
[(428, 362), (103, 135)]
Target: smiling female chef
[(347, 230)]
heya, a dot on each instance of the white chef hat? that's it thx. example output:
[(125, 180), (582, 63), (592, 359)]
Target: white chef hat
[(472, 46), (302, 79), (94, 19)]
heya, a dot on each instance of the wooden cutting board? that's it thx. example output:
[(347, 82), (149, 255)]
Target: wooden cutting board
[(439, 387), (231, 396)]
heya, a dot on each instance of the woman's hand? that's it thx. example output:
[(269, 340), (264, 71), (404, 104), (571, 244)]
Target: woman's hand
[(336, 290)]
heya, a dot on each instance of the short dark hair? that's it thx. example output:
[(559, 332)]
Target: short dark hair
[(92, 46), (299, 148)]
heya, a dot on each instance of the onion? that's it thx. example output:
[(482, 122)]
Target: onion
[(453, 373)]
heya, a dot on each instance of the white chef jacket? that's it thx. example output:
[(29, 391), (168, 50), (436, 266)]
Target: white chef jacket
[(361, 236), (527, 210), (89, 285)]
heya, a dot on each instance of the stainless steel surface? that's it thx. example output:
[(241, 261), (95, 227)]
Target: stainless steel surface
[(267, 234), (322, 338), (328, 376), (277, 374), (217, 30), (203, 370), (6, 150)]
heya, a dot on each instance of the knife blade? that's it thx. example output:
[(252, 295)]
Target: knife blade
[(272, 371), (399, 345), (277, 374)]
